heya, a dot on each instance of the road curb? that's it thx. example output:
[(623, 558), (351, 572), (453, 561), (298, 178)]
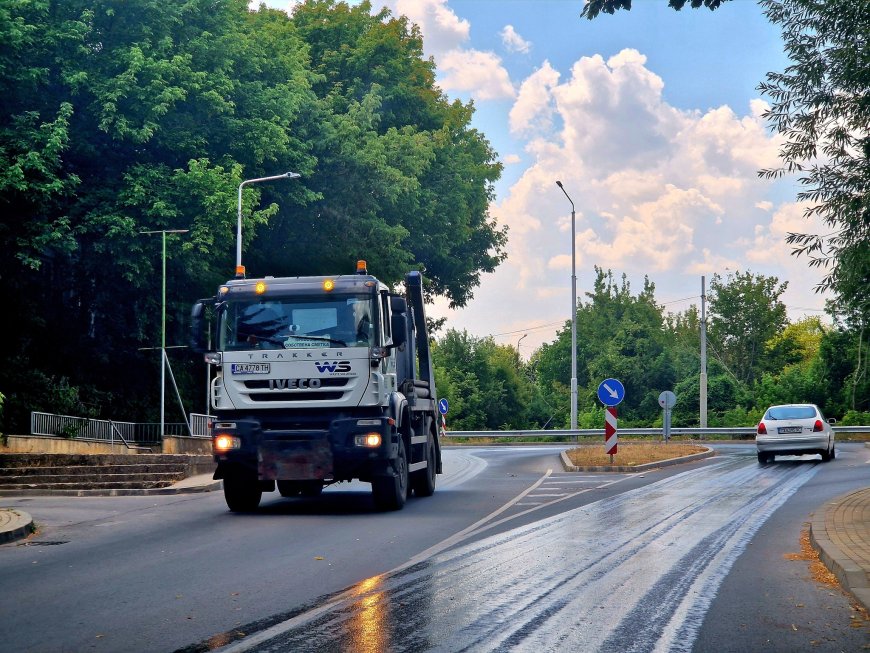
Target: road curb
[(570, 467), (180, 489), (851, 575), (14, 525)]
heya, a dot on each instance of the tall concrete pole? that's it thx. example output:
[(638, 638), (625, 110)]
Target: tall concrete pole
[(573, 314), (703, 397)]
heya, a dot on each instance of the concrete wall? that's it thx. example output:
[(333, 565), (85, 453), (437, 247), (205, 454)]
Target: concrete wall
[(48, 444)]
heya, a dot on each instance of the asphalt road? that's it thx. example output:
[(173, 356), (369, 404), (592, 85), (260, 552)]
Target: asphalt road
[(510, 554)]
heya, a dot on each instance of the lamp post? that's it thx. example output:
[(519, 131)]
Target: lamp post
[(573, 315), (240, 270), (163, 327)]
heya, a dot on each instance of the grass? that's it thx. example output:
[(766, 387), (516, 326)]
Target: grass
[(631, 454)]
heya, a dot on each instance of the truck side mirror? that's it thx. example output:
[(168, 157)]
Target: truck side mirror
[(399, 327), (197, 327)]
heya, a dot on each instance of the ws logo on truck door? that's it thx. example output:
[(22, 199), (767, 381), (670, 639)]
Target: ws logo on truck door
[(334, 367)]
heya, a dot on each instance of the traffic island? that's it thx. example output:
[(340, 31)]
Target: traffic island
[(14, 525), (632, 457)]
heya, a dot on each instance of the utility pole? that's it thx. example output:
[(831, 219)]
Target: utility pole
[(163, 359), (703, 397)]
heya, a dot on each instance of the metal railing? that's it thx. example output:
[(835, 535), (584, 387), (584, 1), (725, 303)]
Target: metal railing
[(199, 425), (101, 430), (738, 432)]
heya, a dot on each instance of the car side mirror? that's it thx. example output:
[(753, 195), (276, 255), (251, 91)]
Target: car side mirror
[(832, 420)]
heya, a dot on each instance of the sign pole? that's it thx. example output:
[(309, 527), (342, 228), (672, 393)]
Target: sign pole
[(611, 439)]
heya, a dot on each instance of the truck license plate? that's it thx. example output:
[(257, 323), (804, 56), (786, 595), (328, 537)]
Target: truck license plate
[(789, 429), (250, 368)]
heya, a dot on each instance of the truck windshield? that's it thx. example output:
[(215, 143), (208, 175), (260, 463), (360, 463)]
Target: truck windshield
[(297, 323)]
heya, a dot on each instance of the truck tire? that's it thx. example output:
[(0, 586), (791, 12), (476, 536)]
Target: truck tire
[(423, 481), (391, 492), (241, 495)]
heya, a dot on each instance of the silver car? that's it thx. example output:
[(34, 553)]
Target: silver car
[(794, 430)]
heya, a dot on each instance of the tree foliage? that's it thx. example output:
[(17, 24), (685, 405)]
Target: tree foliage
[(594, 7), (121, 118), (820, 107)]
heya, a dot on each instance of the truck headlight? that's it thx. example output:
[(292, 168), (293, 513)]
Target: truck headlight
[(227, 443), (370, 440)]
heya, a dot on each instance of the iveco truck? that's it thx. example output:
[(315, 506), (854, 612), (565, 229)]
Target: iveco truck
[(319, 380)]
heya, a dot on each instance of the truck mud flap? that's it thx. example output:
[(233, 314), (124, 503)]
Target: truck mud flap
[(294, 460)]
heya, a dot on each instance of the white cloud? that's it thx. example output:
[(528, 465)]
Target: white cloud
[(513, 41), (657, 191), (478, 73), (533, 110), (511, 159), (442, 29)]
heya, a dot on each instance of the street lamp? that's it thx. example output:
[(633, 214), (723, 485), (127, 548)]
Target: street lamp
[(240, 270), (163, 327), (573, 315)]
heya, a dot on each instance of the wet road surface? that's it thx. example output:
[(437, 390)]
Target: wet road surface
[(632, 572)]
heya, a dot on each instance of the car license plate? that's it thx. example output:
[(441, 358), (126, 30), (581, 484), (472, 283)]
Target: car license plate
[(789, 429), (250, 368)]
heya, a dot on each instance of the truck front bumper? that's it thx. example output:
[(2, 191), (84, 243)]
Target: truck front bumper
[(349, 448)]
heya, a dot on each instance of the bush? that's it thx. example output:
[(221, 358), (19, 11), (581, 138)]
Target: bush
[(855, 418)]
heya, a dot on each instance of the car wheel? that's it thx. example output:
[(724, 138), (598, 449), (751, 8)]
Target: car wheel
[(764, 458), (833, 450)]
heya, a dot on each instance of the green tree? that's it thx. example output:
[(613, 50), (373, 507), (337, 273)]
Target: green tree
[(119, 118), (594, 7), (745, 314), (820, 107), (485, 383)]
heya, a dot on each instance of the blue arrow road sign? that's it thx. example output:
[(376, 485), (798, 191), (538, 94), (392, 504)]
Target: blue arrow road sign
[(611, 392), (442, 406)]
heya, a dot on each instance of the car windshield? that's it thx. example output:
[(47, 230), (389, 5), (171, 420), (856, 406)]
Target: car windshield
[(790, 412), (297, 323)]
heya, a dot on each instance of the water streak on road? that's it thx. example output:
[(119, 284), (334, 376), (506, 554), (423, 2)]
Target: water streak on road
[(635, 572)]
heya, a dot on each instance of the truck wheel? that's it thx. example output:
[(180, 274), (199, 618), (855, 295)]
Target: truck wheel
[(241, 496), (423, 481), (391, 492)]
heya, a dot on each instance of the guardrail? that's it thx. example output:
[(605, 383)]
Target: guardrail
[(741, 432)]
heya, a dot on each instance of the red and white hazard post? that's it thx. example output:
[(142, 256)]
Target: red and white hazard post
[(611, 440)]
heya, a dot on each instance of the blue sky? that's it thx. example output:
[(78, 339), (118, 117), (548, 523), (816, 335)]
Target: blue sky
[(652, 121)]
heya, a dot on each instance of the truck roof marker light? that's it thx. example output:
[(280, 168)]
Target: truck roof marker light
[(224, 290), (260, 287), (240, 272), (361, 267), (328, 285)]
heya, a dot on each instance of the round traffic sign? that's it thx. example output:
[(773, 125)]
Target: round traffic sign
[(667, 399), (611, 392)]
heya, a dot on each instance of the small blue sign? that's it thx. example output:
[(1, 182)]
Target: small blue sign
[(443, 406), (611, 392)]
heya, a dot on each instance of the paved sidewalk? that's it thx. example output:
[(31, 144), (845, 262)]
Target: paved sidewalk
[(16, 524), (840, 532)]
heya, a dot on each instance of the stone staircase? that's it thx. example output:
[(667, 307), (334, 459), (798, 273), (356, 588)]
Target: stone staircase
[(96, 474)]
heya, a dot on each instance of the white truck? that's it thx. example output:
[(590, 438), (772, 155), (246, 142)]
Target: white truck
[(320, 380)]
